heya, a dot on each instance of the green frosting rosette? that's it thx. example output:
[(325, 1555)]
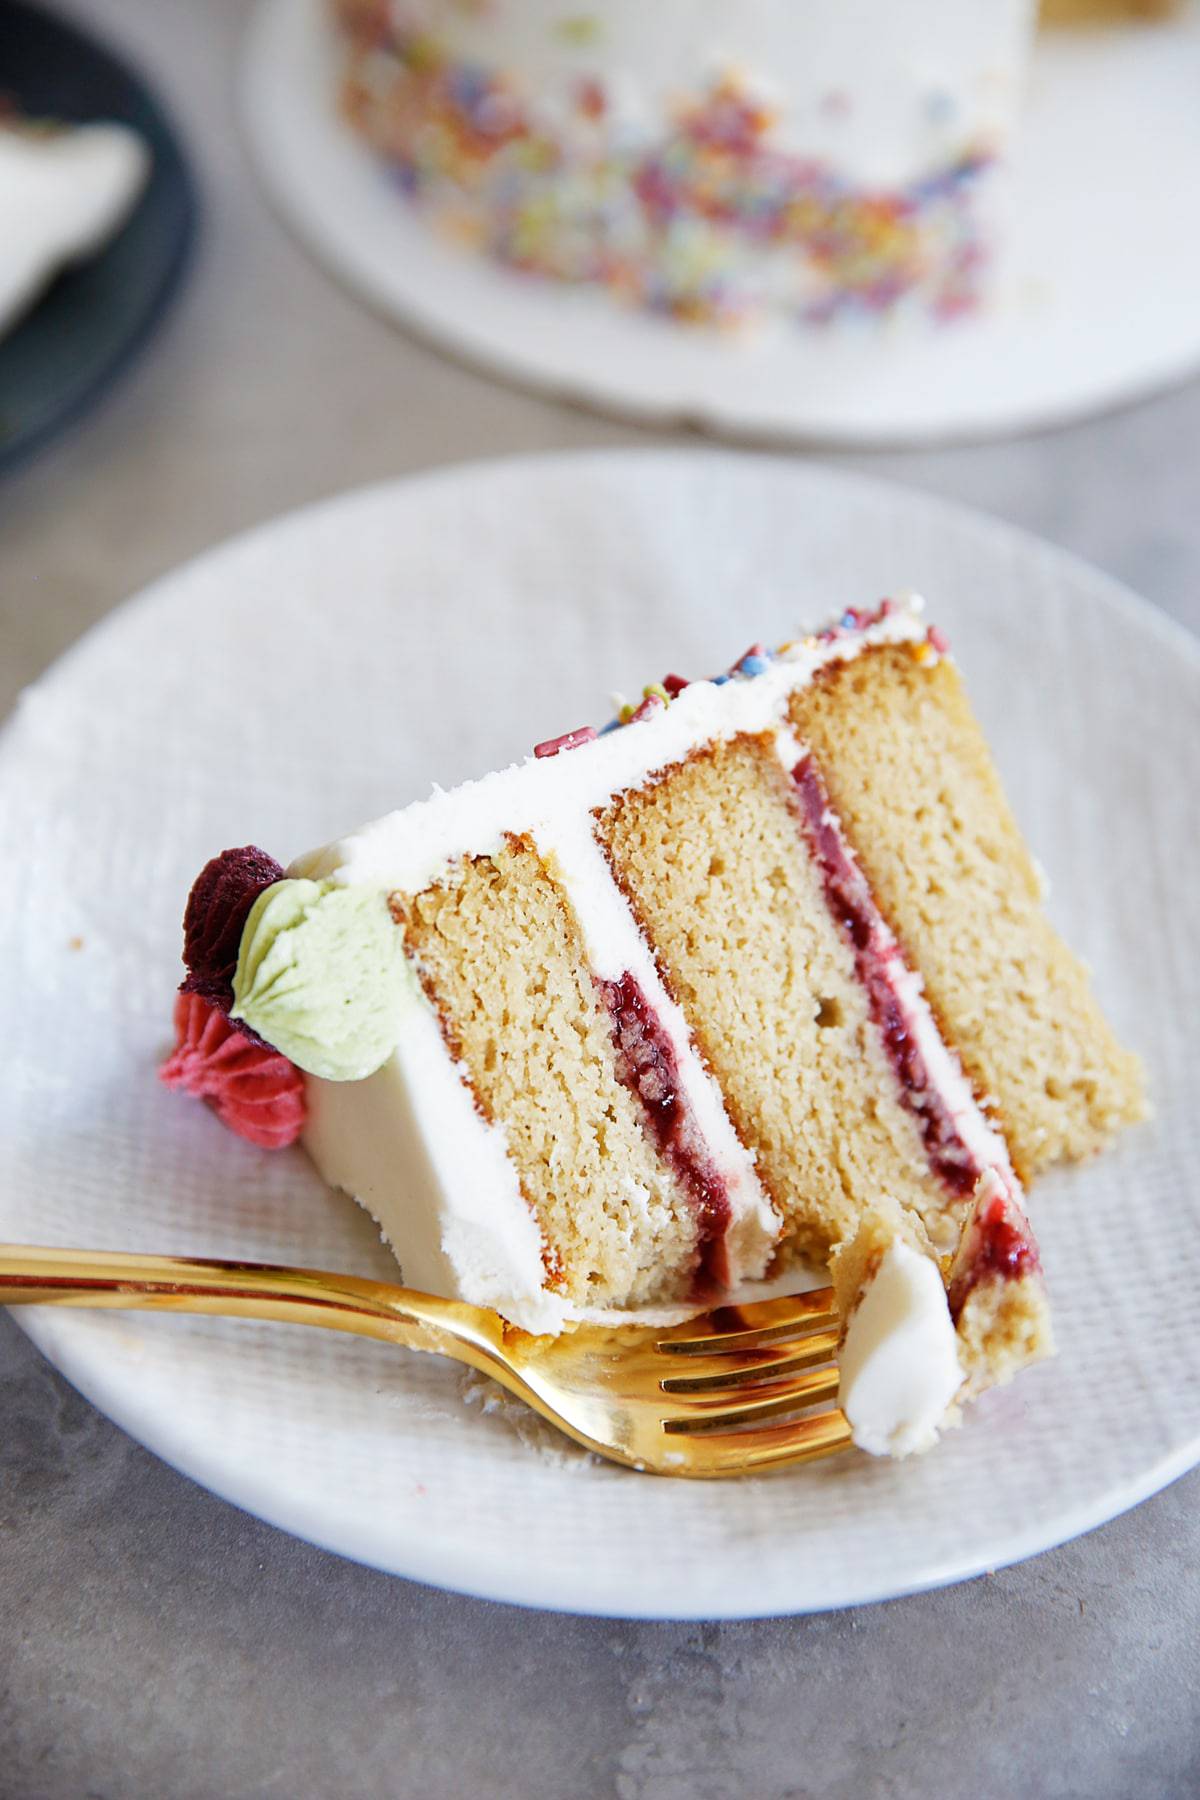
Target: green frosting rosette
[(321, 975)]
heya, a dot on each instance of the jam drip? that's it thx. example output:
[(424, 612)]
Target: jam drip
[(997, 1246), (877, 963), (647, 1066)]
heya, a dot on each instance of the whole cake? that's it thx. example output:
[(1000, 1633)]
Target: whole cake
[(712, 161), (757, 972)]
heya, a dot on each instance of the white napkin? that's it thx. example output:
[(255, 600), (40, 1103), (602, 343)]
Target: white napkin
[(62, 195)]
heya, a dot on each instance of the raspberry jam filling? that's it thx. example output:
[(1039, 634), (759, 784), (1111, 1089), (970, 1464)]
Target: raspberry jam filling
[(997, 1246), (879, 966), (646, 1064)]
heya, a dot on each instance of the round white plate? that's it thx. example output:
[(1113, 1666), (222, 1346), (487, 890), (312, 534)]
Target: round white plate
[(329, 666), (1101, 302)]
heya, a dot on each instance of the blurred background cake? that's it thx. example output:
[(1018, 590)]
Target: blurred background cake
[(711, 162)]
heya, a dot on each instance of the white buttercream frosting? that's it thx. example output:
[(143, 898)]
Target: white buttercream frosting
[(899, 1364)]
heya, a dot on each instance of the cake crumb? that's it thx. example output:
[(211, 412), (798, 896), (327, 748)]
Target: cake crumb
[(480, 1393)]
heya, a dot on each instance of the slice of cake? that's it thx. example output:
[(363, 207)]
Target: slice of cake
[(667, 1008)]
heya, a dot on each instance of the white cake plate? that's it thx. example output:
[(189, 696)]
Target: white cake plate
[(331, 665), (1100, 303)]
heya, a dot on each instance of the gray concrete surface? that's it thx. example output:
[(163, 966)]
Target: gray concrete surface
[(156, 1643)]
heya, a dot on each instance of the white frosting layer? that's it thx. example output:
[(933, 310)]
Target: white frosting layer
[(409, 1142), (881, 93), (899, 1365), (62, 193)]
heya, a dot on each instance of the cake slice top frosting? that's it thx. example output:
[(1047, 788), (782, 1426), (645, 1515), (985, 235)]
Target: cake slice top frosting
[(554, 793)]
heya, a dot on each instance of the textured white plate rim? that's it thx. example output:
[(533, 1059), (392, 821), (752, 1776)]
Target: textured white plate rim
[(477, 1577), (486, 319), (229, 1477), (1137, 610)]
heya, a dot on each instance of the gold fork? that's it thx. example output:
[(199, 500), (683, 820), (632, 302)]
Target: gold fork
[(739, 1389)]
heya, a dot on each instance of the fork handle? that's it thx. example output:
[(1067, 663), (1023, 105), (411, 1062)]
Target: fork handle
[(34, 1275)]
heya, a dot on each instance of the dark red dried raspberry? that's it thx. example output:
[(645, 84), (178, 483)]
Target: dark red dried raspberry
[(221, 897)]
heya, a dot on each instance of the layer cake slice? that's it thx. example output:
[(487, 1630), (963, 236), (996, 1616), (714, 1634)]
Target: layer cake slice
[(672, 1007)]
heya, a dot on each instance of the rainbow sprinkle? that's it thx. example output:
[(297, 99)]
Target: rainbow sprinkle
[(711, 222), (584, 734), (754, 662)]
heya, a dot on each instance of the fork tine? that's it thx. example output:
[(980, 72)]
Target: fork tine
[(730, 1328), (711, 1455), (720, 1414), (770, 1362)]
